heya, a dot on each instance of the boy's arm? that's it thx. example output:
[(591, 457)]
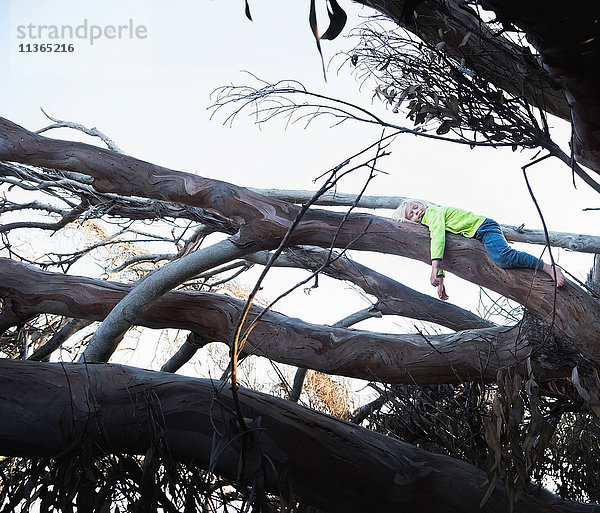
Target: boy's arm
[(437, 280), (436, 223)]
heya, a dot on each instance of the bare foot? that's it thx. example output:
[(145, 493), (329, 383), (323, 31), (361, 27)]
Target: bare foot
[(560, 277)]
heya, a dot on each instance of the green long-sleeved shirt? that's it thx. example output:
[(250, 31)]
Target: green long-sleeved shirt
[(442, 219)]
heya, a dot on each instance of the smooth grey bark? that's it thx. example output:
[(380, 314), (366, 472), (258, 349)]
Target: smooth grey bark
[(333, 198), (149, 289)]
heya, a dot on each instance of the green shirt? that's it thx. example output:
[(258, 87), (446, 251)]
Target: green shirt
[(442, 219)]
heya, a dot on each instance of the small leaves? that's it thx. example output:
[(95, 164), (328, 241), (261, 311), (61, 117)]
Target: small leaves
[(488, 122), (588, 389), (480, 113), (446, 125), (389, 93), (517, 433), (452, 104)]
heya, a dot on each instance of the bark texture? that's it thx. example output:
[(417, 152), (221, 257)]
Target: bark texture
[(328, 463), (393, 298), (412, 358)]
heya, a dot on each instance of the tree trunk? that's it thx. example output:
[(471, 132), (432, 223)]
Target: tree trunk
[(328, 463)]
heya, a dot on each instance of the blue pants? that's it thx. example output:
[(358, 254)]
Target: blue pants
[(500, 252)]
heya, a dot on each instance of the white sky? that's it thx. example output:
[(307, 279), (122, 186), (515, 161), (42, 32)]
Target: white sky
[(151, 96)]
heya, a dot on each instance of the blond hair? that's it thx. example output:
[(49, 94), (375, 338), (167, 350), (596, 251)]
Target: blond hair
[(400, 213)]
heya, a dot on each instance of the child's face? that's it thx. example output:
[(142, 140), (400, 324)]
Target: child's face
[(415, 211)]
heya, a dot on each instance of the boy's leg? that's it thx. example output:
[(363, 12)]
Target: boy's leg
[(508, 258), (501, 253)]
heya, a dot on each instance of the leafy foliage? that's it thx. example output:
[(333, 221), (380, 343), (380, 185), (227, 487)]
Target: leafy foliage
[(434, 89), (446, 419), (571, 459)]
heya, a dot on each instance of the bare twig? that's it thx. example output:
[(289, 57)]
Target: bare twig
[(94, 132)]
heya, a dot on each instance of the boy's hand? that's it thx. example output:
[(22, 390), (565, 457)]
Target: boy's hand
[(442, 289), (435, 279)]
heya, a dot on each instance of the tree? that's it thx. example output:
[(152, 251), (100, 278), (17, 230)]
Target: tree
[(267, 445), (562, 79)]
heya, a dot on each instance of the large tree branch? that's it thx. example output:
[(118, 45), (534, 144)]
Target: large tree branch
[(412, 358), (302, 451), (264, 222), (112, 204), (573, 241), (149, 290)]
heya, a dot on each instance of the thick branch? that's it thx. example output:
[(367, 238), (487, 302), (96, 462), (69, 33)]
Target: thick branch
[(393, 298), (573, 241), (413, 358), (114, 204), (328, 463), (346, 322), (500, 61)]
